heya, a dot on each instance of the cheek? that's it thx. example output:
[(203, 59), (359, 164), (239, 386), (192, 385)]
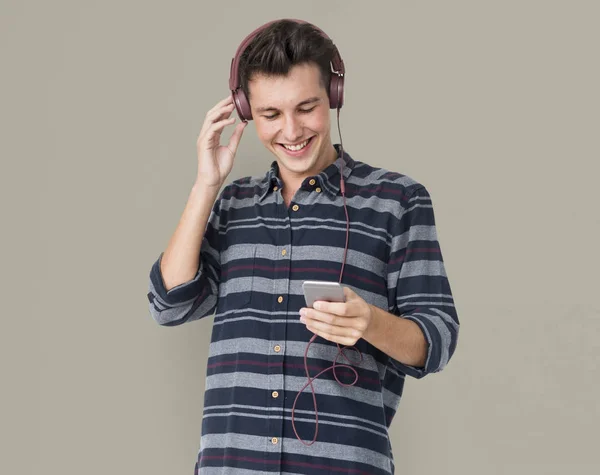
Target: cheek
[(320, 122), (265, 132)]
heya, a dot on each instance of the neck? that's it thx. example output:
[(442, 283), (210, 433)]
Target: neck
[(292, 183)]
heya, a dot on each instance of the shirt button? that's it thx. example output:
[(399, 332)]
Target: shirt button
[(295, 207), (275, 394), (284, 252), (318, 190), (274, 440), (280, 299), (277, 348), (312, 182)]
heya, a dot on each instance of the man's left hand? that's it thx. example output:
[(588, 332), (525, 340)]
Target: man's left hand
[(341, 322)]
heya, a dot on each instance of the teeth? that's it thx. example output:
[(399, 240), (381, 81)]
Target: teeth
[(295, 148)]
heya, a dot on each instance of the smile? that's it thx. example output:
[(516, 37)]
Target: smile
[(295, 148)]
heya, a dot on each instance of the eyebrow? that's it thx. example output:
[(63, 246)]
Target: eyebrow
[(303, 103)]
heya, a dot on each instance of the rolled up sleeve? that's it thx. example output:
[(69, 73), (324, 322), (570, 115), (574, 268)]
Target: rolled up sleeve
[(418, 286), (196, 298)]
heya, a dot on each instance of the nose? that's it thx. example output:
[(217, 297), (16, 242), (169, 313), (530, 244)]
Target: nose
[(292, 129)]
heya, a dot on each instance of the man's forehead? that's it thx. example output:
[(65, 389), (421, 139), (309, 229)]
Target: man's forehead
[(301, 85)]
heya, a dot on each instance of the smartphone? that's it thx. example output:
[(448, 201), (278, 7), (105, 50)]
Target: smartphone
[(322, 290)]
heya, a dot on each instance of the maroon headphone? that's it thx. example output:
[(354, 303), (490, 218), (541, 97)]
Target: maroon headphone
[(336, 88)]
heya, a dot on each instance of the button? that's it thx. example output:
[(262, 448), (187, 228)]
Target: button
[(284, 252), (295, 207), (277, 348), (280, 299), (274, 440), (275, 394), (275, 188), (312, 182), (318, 190)]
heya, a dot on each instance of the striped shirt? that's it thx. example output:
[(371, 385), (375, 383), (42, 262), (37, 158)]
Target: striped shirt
[(255, 254)]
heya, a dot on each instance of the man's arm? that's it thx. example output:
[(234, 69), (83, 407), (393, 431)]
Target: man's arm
[(421, 331), (399, 338), (181, 258), (184, 280)]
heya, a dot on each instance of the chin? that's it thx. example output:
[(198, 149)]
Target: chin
[(299, 164)]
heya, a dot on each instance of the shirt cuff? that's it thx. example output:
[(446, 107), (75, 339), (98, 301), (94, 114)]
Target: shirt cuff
[(179, 294)]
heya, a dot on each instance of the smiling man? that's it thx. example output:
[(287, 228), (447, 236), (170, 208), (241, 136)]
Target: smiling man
[(291, 114), (244, 251)]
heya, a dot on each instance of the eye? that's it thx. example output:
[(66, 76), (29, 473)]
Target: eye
[(308, 110), (270, 117)]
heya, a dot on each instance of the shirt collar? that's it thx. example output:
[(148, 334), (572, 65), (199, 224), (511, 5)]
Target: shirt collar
[(329, 177)]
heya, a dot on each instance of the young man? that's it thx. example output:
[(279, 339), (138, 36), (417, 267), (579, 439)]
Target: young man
[(246, 251)]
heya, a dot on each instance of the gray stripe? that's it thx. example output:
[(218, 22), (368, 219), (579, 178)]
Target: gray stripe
[(390, 399), (444, 333), (279, 287), (389, 205), (419, 268), (416, 232), (428, 302), (447, 318), (300, 253), (294, 446), (410, 296)]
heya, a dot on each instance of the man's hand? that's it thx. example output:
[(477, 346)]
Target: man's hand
[(341, 322)]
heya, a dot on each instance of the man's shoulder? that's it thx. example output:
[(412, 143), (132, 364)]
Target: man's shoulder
[(381, 180), (243, 184)]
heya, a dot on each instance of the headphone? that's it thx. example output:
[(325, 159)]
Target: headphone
[(336, 100), (336, 87)]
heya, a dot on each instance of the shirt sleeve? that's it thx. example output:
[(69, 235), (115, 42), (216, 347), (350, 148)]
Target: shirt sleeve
[(418, 286), (196, 298)]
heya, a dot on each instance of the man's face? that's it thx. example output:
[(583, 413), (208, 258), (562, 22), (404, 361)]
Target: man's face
[(289, 110)]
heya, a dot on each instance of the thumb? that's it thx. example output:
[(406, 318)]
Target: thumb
[(234, 141), (348, 293)]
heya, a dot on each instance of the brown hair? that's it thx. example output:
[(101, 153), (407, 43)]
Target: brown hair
[(282, 45)]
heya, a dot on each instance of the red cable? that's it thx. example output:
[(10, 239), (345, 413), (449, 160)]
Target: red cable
[(340, 350)]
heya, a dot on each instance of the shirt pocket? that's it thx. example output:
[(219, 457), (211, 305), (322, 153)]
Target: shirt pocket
[(237, 277)]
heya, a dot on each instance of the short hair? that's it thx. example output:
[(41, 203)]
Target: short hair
[(282, 45)]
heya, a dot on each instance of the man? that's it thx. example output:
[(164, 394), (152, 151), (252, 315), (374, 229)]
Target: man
[(245, 252)]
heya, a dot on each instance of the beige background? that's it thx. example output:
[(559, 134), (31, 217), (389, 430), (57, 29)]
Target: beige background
[(494, 106)]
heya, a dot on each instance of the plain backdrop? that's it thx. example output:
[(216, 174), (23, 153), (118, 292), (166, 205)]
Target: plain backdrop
[(493, 106)]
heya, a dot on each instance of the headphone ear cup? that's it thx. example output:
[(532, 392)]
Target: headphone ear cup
[(336, 92), (242, 105)]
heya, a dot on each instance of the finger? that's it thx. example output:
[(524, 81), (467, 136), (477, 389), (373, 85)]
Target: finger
[(319, 327), (336, 308), (220, 125), (222, 102), (329, 318), (215, 129), (219, 105), (220, 113)]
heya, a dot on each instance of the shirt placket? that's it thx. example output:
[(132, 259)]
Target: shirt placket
[(277, 347)]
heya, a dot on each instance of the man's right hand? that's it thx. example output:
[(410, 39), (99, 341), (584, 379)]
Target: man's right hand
[(215, 161)]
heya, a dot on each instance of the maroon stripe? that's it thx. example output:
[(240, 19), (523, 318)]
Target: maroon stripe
[(312, 369), (285, 462)]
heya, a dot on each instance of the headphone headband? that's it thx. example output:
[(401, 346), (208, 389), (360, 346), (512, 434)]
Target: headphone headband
[(336, 89)]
